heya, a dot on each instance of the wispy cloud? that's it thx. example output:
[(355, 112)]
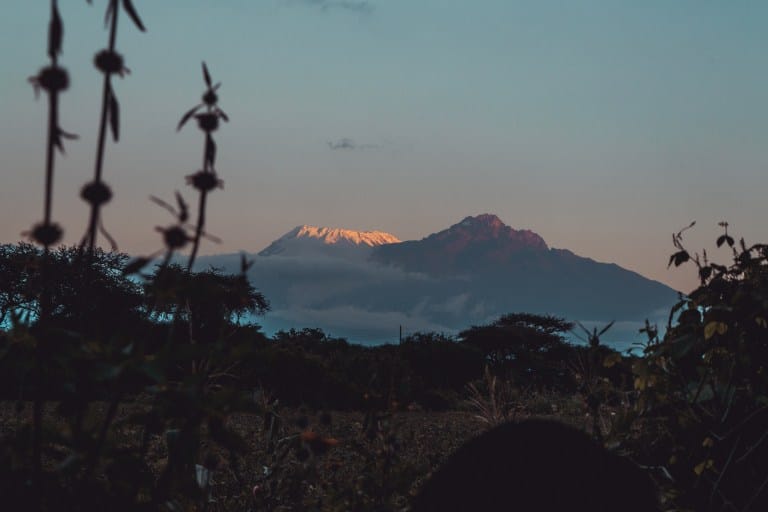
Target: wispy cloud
[(347, 144), (358, 6)]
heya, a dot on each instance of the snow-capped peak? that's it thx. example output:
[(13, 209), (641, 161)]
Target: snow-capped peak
[(337, 242), (339, 235)]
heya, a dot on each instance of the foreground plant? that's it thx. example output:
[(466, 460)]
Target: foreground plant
[(701, 419), (110, 63)]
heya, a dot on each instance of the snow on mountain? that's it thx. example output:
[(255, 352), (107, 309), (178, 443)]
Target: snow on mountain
[(334, 242)]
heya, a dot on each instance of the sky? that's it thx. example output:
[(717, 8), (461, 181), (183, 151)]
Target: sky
[(603, 125)]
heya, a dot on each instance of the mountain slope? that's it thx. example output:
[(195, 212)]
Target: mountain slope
[(516, 270)]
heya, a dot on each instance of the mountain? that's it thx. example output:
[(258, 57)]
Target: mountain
[(308, 241), (468, 246), (365, 285), (516, 270)]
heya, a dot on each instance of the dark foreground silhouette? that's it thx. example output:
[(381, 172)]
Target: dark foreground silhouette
[(540, 466)]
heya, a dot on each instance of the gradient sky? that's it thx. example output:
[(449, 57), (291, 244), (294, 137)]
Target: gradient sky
[(603, 125)]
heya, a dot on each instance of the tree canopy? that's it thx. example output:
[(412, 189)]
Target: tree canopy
[(520, 343)]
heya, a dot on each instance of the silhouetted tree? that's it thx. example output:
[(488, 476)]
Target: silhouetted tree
[(437, 361), (93, 298), (211, 299), (526, 345)]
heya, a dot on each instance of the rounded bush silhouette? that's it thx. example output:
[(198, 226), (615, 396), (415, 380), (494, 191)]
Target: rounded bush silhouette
[(536, 465)]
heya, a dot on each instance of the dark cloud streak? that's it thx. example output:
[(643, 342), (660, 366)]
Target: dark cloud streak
[(347, 144), (357, 6)]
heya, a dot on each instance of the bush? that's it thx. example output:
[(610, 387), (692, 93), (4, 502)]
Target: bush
[(702, 412)]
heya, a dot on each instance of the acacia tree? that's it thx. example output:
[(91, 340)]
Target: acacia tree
[(90, 299), (209, 299), (523, 344)]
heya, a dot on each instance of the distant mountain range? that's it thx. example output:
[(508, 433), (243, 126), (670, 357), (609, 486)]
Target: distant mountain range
[(365, 284)]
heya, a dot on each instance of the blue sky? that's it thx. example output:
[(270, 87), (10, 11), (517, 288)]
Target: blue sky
[(602, 125)]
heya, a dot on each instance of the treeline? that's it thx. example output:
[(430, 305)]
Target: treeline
[(99, 301)]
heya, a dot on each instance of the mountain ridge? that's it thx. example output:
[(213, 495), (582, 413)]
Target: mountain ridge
[(467, 274)]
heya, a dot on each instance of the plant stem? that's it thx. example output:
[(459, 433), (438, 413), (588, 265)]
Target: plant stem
[(96, 207), (201, 207), (198, 229), (53, 109)]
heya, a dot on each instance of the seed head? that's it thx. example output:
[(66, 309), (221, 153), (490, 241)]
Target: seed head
[(210, 98), (208, 122), (108, 62), (52, 79), (174, 237), (204, 181), (96, 193), (46, 234)]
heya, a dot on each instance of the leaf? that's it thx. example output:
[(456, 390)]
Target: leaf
[(114, 115), (162, 204), (605, 329), (109, 13), (713, 328), (206, 76), (183, 208), (55, 33), (67, 135), (128, 6), (224, 116), (679, 258), (186, 117), (135, 265), (58, 143), (725, 239), (210, 152)]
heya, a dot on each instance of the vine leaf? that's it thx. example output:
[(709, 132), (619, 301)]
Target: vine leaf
[(679, 258), (114, 115), (131, 10), (725, 239), (55, 33)]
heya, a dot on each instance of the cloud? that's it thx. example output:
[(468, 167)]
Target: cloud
[(367, 302), (347, 144), (359, 300), (357, 6)]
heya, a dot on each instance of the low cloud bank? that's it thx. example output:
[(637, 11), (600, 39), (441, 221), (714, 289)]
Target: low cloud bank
[(368, 303)]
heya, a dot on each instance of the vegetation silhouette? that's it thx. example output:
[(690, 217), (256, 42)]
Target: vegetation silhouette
[(523, 346), (119, 362), (536, 465), (701, 416)]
